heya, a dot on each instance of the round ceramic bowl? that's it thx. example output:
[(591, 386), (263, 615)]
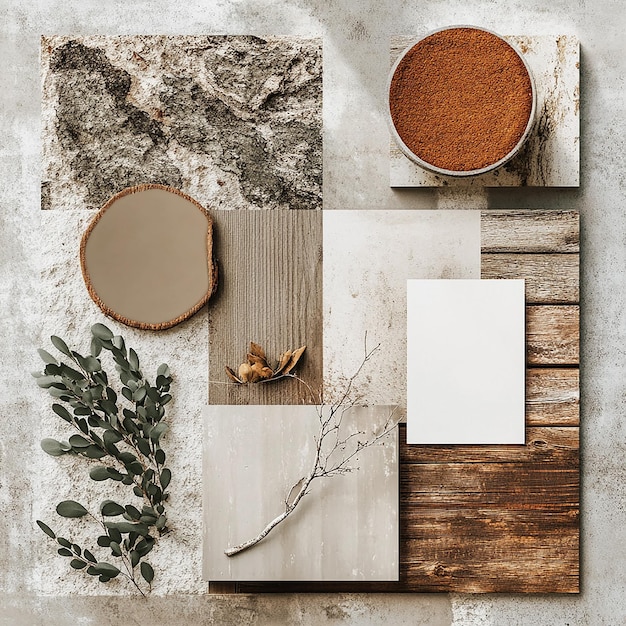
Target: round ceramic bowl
[(489, 167)]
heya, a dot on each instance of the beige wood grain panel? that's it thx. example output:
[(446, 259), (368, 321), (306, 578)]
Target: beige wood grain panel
[(550, 278), (270, 292), (552, 335), (552, 397), (550, 443), (537, 231)]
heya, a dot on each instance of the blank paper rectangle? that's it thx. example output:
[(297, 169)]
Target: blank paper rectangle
[(465, 362)]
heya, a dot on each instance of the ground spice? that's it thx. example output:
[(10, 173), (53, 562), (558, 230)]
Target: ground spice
[(460, 99)]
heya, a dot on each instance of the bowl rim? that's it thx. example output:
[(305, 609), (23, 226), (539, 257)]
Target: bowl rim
[(462, 173)]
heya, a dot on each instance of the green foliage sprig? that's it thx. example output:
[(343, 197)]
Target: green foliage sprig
[(120, 439)]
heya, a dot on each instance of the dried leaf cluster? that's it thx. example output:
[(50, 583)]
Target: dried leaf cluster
[(256, 368)]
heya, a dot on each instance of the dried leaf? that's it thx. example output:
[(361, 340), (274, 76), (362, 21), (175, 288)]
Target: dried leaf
[(245, 372), (293, 361), (233, 376), (282, 362), (256, 350), (253, 359), (263, 372)]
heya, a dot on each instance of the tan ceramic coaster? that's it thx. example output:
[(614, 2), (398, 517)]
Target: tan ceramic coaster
[(147, 257)]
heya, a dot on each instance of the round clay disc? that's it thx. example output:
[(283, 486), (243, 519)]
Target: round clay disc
[(147, 257)]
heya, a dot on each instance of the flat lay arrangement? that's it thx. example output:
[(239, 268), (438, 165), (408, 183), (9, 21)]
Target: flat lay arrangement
[(430, 448)]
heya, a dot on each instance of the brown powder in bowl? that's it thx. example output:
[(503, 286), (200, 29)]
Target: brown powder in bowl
[(460, 99)]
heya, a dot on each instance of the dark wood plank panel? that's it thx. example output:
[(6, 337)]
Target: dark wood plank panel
[(537, 230), (270, 292), (552, 397), (552, 335), (553, 444), (550, 278)]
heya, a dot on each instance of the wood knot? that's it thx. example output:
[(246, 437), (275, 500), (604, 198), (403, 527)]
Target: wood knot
[(440, 570)]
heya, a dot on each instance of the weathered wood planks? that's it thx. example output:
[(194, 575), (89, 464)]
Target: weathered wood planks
[(552, 397), (529, 231), (270, 292), (550, 278), (552, 335)]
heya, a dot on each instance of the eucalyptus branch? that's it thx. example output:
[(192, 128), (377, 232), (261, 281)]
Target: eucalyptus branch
[(123, 432), (328, 444)]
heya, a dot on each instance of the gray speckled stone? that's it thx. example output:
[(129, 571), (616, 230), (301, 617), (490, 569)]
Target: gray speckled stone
[(233, 121)]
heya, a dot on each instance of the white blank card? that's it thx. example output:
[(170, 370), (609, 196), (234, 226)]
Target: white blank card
[(465, 362)]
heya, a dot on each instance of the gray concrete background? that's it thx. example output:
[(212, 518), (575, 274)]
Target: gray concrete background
[(356, 57)]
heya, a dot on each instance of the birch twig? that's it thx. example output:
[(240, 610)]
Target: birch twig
[(328, 442)]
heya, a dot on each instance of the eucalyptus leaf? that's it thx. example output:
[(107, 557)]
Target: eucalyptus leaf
[(46, 357), (45, 382), (78, 441), (96, 347), (99, 472), (147, 572), (106, 569), (127, 393), (52, 447), (89, 556), (133, 359), (134, 558), (62, 412), (157, 431), (64, 542), (77, 564), (64, 552), (144, 446), (104, 541), (112, 436), (91, 364), (133, 512), (46, 529), (128, 527), (109, 508), (116, 549), (166, 476), (71, 508), (159, 456), (101, 332), (60, 345), (163, 370), (93, 452)]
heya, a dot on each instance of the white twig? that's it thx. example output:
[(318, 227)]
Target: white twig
[(328, 442)]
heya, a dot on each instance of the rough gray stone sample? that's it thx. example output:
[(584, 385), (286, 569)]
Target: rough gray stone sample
[(234, 121)]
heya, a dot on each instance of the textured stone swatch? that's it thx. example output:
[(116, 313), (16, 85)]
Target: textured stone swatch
[(234, 121)]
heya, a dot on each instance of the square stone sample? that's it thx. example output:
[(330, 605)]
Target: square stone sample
[(344, 529), (550, 157), (233, 121)]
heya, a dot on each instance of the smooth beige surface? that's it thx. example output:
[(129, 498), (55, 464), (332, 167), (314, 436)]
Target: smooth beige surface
[(147, 256), (345, 528)]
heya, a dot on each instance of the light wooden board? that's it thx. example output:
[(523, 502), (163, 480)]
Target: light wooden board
[(270, 292), (550, 157)]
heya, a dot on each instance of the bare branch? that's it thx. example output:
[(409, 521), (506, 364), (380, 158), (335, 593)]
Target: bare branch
[(328, 443)]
